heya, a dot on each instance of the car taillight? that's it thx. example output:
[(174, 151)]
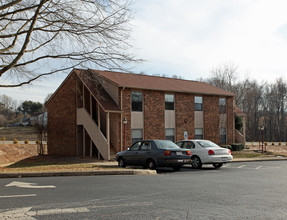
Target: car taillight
[(229, 151), (188, 152), (210, 152), (167, 153)]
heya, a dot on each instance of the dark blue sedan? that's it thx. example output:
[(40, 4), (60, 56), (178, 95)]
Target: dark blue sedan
[(154, 153)]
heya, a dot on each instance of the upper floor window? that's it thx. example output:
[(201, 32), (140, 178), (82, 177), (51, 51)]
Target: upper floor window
[(222, 105), (198, 103), (137, 104), (169, 102)]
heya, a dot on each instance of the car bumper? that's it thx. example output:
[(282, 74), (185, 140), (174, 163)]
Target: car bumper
[(219, 159), (171, 162)]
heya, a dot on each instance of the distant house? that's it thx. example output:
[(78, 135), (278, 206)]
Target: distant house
[(98, 113), (26, 121)]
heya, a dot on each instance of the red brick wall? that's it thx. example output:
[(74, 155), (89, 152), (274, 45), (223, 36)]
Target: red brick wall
[(230, 121), (184, 115), (154, 107), (211, 118), (127, 114), (62, 120)]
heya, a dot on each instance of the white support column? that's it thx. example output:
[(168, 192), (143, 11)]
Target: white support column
[(91, 106), (108, 133), (91, 148), (84, 142), (99, 116), (83, 96)]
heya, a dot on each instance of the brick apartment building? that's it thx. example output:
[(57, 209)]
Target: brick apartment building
[(98, 113)]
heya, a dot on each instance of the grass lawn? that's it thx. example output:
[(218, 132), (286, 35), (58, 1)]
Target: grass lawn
[(20, 133)]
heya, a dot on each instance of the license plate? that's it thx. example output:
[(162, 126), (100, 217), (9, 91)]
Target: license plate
[(179, 153), (224, 159)]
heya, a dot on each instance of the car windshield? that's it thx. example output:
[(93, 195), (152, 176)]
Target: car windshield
[(166, 144), (207, 144)]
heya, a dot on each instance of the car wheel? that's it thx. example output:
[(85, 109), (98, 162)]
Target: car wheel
[(217, 165), (151, 165), (176, 168), (196, 162), (121, 162)]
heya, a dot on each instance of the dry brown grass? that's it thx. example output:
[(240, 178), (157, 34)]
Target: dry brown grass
[(20, 133)]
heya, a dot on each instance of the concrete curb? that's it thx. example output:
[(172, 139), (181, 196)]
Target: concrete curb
[(82, 173), (237, 160)]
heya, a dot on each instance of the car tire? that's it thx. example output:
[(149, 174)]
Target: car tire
[(151, 165), (176, 168), (217, 165), (196, 162), (121, 162)]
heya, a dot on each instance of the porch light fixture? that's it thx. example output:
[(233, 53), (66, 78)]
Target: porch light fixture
[(125, 121)]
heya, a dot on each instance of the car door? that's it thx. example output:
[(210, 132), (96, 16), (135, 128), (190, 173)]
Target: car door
[(145, 152), (131, 155)]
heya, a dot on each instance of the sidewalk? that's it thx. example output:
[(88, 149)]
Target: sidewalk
[(111, 168)]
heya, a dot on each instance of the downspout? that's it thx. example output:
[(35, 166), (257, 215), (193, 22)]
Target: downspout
[(122, 117)]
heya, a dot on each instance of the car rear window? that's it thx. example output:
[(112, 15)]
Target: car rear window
[(207, 144), (166, 144)]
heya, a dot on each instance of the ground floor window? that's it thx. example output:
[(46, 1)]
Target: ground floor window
[(169, 134), (222, 134), (137, 135), (198, 133)]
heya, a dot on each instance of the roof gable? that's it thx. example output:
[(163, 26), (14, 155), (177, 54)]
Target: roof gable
[(97, 90)]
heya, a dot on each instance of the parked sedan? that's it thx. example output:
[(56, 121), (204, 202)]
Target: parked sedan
[(206, 152), (154, 153)]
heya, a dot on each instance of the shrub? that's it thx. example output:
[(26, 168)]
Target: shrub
[(37, 142), (272, 143), (26, 142), (227, 147), (279, 144), (3, 139), (15, 141), (237, 146)]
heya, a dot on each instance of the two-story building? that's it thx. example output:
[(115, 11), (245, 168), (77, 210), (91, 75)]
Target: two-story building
[(98, 113)]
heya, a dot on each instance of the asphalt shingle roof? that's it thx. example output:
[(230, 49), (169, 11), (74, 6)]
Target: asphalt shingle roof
[(139, 81)]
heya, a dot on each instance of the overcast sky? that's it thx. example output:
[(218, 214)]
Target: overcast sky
[(190, 37)]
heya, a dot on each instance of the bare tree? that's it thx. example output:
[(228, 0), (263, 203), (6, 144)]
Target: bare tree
[(39, 38), (224, 76)]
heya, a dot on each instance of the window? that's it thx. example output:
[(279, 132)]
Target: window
[(169, 102), (222, 134), (198, 103), (136, 146), (137, 135), (188, 145), (137, 104), (198, 133), (222, 105), (146, 146), (169, 134)]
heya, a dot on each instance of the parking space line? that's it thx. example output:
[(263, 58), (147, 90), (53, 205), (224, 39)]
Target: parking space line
[(242, 166), (17, 196), (258, 167)]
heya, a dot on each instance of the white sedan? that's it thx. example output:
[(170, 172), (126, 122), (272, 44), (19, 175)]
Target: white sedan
[(206, 152)]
